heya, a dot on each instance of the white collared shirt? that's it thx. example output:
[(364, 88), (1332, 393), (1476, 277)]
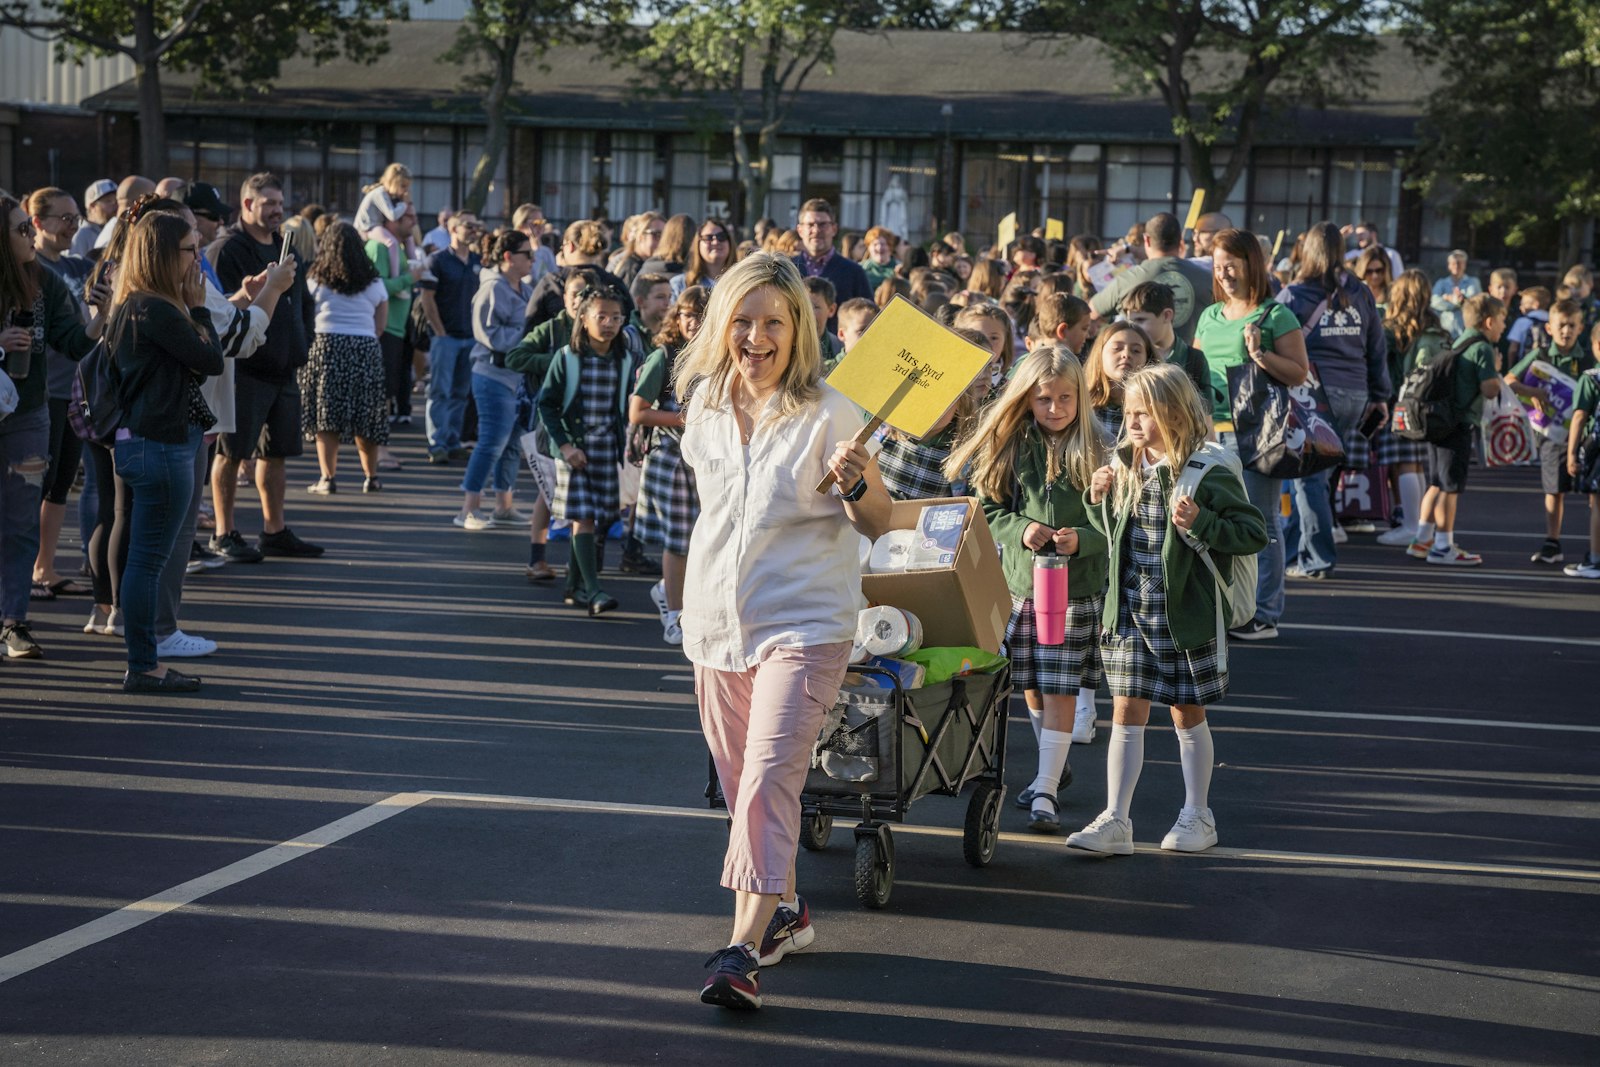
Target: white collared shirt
[(772, 563)]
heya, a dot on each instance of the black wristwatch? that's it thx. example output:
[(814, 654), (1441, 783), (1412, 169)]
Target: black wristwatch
[(856, 493)]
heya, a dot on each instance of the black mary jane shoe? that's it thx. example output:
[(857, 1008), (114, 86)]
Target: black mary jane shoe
[(602, 604), (1042, 822), (171, 682)]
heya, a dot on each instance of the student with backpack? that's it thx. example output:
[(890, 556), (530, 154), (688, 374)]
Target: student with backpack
[(1583, 463), (1169, 515), (1439, 402)]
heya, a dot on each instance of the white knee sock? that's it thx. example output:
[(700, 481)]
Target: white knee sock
[(1036, 720), (1196, 753), (1085, 701), (1410, 500), (1054, 745), (1124, 761)]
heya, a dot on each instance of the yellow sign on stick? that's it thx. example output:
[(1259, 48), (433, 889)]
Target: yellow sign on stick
[(1055, 230), (1007, 233), (1277, 246), (1195, 203), (906, 371)]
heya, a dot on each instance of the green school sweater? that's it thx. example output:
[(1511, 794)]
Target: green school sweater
[(1061, 506), (1227, 522), (533, 354)]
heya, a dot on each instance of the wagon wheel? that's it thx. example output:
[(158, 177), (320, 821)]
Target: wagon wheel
[(874, 868), (983, 824), (815, 830)]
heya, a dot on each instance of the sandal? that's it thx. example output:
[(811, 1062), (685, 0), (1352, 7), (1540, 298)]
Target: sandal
[(70, 587), (41, 591)]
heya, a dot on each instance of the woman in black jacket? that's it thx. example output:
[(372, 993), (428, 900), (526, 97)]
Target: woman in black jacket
[(164, 347)]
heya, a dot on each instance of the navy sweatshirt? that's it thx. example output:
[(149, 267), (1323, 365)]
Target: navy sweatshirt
[(1346, 348)]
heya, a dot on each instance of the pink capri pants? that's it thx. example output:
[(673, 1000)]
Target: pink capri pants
[(761, 725)]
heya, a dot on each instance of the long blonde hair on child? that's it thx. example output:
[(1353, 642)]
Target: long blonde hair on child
[(1166, 394), (992, 446), (975, 315), (1102, 390)]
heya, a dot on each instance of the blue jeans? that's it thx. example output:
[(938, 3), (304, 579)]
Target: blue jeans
[(497, 451), (24, 461), (161, 477), (1308, 531), (1266, 495), (449, 385)]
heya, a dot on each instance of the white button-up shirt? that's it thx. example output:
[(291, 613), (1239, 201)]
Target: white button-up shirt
[(772, 563)]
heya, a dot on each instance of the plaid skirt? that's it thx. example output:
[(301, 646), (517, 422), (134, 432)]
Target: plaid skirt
[(914, 471), (342, 390), (593, 494), (1357, 450), (1390, 449), (669, 503), (1058, 669)]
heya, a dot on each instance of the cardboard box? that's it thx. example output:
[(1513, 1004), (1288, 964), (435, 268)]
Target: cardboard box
[(964, 605)]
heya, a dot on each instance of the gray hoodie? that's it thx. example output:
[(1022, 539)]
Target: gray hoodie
[(498, 312)]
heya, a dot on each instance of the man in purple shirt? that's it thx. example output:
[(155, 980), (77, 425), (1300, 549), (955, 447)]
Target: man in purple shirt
[(818, 259)]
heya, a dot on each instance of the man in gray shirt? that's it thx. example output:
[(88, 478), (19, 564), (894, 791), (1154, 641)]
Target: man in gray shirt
[(1164, 264)]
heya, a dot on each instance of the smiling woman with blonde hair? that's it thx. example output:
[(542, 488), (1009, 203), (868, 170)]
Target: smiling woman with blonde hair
[(772, 587)]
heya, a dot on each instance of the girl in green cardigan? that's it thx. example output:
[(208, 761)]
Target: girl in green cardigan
[(1161, 640), (1032, 455)]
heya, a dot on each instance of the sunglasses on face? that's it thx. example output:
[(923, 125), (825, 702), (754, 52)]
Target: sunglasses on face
[(1379, 271), (714, 238), (25, 229)]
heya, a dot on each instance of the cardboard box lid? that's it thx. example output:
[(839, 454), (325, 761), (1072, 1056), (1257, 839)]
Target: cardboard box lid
[(964, 605)]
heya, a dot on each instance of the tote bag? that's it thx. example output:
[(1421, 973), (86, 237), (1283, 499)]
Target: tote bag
[(1283, 432)]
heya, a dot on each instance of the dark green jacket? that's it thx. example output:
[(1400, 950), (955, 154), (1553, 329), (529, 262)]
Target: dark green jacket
[(1009, 520), (533, 354), (1227, 522), (560, 402)]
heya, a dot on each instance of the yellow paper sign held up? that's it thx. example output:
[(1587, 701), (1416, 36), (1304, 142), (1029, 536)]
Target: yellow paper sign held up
[(1195, 202), (1007, 232), (907, 369), (1277, 245), (1055, 230)]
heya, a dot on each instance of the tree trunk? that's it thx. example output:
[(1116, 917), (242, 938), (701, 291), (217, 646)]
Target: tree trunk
[(497, 131), (1573, 232), (147, 76)]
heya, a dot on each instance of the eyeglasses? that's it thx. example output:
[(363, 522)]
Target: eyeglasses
[(713, 238), (70, 220), (25, 229), (1379, 270), (193, 250)]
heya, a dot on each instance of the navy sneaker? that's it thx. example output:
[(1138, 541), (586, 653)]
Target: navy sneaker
[(735, 979), (789, 931)]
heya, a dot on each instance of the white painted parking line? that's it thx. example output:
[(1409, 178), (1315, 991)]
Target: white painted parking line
[(1455, 635), (1437, 720), (677, 677), (142, 911)]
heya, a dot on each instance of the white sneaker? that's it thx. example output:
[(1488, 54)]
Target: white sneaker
[(1399, 537), (184, 646), (113, 626), (1588, 568), (1083, 726), (1339, 535), (672, 629), (98, 620), (472, 520), (658, 595), (1107, 835), (511, 517), (1195, 831)]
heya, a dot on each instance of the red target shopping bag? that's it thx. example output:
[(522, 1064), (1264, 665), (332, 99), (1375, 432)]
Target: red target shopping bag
[(1507, 434)]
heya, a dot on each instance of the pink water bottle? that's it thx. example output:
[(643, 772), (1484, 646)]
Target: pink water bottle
[(1050, 596)]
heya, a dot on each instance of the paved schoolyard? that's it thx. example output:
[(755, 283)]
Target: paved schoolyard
[(498, 850)]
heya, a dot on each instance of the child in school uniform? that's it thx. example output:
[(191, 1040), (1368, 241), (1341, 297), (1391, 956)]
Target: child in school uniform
[(1120, 350), (1152, 307), (1060, 317), (385, 200), (1031, 456), (854, 318), (669, 502), (992, 321), (1564, 351), (1584, 405), (824, 304), (913, 468), (584, 408), (1162, 641)]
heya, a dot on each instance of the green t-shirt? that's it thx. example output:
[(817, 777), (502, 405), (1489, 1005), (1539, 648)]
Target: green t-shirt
[(652, 380), (1222, 341), (1587, 398), (1474, 366), (1572, 364)]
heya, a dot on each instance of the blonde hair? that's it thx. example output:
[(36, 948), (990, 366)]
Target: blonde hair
[(1102, 390), (587, 236), (1183, 422), (707, 361), (976, 314), (992, 446), (150, 265), (300, 237), (396, 179)]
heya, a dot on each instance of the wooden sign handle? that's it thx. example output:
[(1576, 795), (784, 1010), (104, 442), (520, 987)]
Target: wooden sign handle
[(861, 439)]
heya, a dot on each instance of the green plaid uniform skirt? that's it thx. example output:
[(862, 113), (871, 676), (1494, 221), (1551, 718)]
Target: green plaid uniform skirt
[(1064, 668), (1390, 448), (1110, 421), (914, 471), (593, 494), (668, 500), (1357, 450), (1141, 659)]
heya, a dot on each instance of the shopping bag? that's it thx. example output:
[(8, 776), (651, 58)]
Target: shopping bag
[(536, 450), (1507, 434), (1363, 494), (1283, 432)]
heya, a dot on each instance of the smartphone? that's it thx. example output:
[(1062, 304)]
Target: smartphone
[(1372, 423)]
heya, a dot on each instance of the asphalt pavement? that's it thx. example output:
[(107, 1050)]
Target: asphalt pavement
[(422, 813)]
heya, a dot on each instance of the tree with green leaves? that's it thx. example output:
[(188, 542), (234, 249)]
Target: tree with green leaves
[(1509, 131), (716, 49), (234, 46), (1220, 68), (496, 36)]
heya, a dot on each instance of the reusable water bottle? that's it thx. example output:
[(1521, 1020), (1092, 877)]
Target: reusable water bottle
[(1050, 596)]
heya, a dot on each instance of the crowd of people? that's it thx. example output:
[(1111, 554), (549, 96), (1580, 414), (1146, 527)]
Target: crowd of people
[(661, 381)]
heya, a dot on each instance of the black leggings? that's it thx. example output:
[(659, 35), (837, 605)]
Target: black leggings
[(66, 450), (108, 556)]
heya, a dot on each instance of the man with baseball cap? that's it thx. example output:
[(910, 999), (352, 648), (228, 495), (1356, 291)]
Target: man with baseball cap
[(99, 206), (210, 212)]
